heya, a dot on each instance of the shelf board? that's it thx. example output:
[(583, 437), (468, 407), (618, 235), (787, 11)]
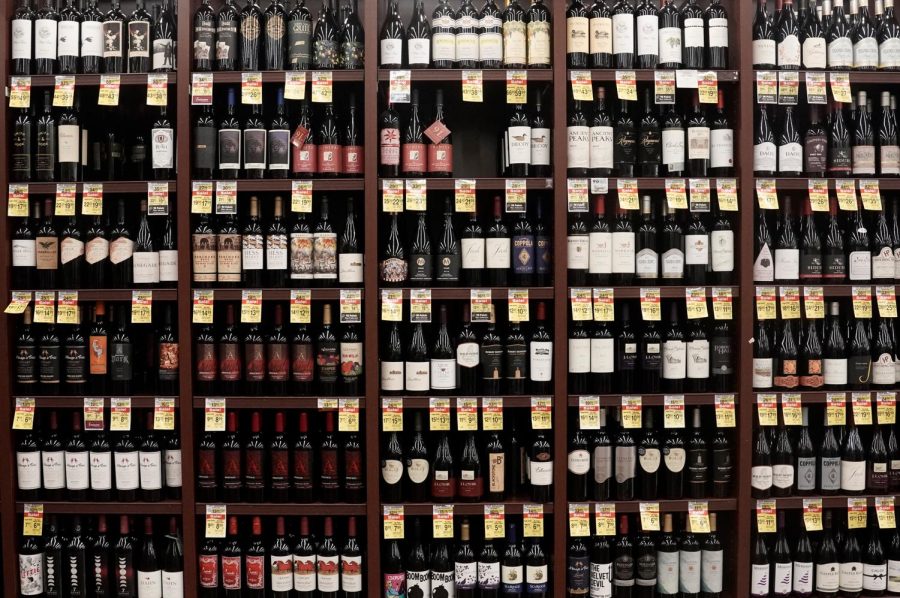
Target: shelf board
[(481, 183), (673, 292), (456, 74), (284, 185), (815, 397), (287, 508), (652, 400), (124, 79), (270, 402), (509, 401), (329, 294), (828, 502), (165, 507), (722, 75), (77, 402), (337, 76), (673, 506), (109, 187), (856, 77), (497, 293), (802, 183), (511, 507), (112, 294), (659, 183), (828, 290)]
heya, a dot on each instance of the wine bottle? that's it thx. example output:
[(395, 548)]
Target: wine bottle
[(716, 19), (391, 40), (274, 42), (250, 34), (840, 44), (649, 37), (443, 36)]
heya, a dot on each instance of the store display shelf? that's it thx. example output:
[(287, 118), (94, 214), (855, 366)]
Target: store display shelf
[(802, 183), (337, 76), (165, 507), (286, 508), (828, 502), (109, 294), (497, 293), (131, 79), (510, 507), (456, 74), (856, 77), (329, 294), (481, 183), (815, 397), (651, 400), (285, 185), (77, 402), (270, 402), (509, 401), (670, 506), (674, 292), (109, 187), (722, 75)]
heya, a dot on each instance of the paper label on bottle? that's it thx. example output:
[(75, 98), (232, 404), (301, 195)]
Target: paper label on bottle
[(764, 52), (814, 53)]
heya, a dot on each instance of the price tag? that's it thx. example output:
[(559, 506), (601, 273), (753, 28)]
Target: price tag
[(44, 307), (790, 303), (605, 519), (480, 305), (699, 195), (676, 194), (215, 414), (494, 521), (673, 411), (301, 196), (295, 85), (33, 521), (541, 416), (216, 516), (887, 301), (835, 409), (67, 307), (251, 88), (604, 306), (767, 409), (392, 415), (158, 89), (840, 87), (631, 412), (818, 194), (420, 305), (589, 413), (886, 408), (201, 89), (141, 307), (577, 195), (516, 87), (862, 408), (300, 306), (472, 87), (812, 514), (650, 310), (20, 92), (791, 409), (695, 298), (109, 91), (870, 194), (726, 192), (815, 88), (708, 87), (492, 414), (442, 521), (580, 299), (846, 194), (351, 306), (327, 404), (467, 414), (788, 87), (17, 206), (65, 200), (202, 312), (813, 303), (439, 413), (251, 306), (725, 417), (649, 516), (93, 414), (321, 87), (18, 303), (92, 199), (119, 414), (348, 414), (599, 186), (518, 305), (226, 197), (686, 78), (465, 195), (393, 522), (64, 91), (766, 194), (515, 196), (766, 87), (164, 413), (579, 520), (392, 305), (416, 192), (857, 511), (23, 417), (626, 85), (398, 90), (664, 87), (884, 510), (765, 303), (158, 198), (201, 197), (722, 303), (533, 521), (698, 514), (392, 196), (862, 302), (765, 516), (628, 194), (582, 86)]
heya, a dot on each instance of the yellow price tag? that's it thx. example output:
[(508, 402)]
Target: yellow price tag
[(722, 303), (164, 413), (767, 409), (579, 520), (835, 409), (20, 92), (301, 196), (492, 414), (605, 519), (650, 309), (33, 520), (814, 303), (494, 521), (708, 89), (541, 416), (840, 87), (295, 85), (673, 411), (766, 194), (790, 303), (698, 513), (649, 516), (695, 298), (251, 88), (67, 307), (582, 86), (664, 87), (141, 307), (631, 412), (348, 414), (392, 196), (791, 409), (109, 90), (812, 514), (65, 200), (44, 307), (201, 89), (251, 306), (765, 303), (18, 303), (393, 522), (301, 300), (884, 510), (480, 305), (725, 416), (157, 89), (576, 195), (214, 414), (472, 87), (862, 408), (726, 193), (765, 516), (17, 201), (157, 198), (119, 414), (466, 414), (676, 194), (857, 512), (846, 194), (533, 521), (416, 194), (815, 88), (327, 403), (439, 414), (862, 302), (886, 408), (93, 414), (392, 305), (581, 304), (64, 91), (589, 413), (350, 306), (420, 305), (515, 196), (818, 194), (23, 417), (516, 87), (201, 197), (628, 194), (202, 310), (215, 521), (442, 521), (465, 195), (887, 301), (604, 305), (518, 305), (321, 87), (626, 85), (391, 415), (92, 199), (870, 194)]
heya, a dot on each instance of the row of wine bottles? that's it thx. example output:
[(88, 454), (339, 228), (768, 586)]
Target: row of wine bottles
[(97, 354), (660, 141), (793, 145), (71, 40), (80, 553), (824, 36), (787, 462)]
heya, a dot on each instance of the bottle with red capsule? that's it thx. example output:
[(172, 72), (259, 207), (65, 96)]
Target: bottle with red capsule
[(254, 462), (329, 464), (208, 569), (231, 461), (279, 480), (301, 472), (232, 562), (255, 564), (281, 567), (327, 564)]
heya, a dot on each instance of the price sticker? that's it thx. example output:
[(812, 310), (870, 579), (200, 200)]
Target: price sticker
[(579, 520), (301, 306), (766, 87), (699, 195), (725, 411), (158, 89), (698, 514), (348, 414), (467, 414), (886, 408), (589, 413), (17, 201), (393, 522), (201, 197), (580, 299), (695, 298), (392, 415), (541, 416), (862, 408), (887, 301), (767, 409), (846, 194), (533, 521), (862, 302), (157, 198), (465, 195), (628, 194), (676, 194), (92, 199), (301, 196), (164, 413), (351, 306), (599, 186), (18, 303), (673, 411), (472, 86), (835, 409), (327, 404), (708, 87), (202, 309), (577, 195), (201, 89), (392, 305), (64, 91), (686, 78), (251, 306), (67, 307), (93, 414), (44, 307), (649, 516), (766, 194), (726, 193), (605, 519), (516, 87), (604, 306), (214, 414), (141, 307), (321, 87), (816, 91), (515, 196), (650, 310), (788, 88), (420, 305), (790, 303), (65, 200), (109, 91), (870, 194), (20, 92), (884, 510), (664, 87), (492, 414), (812, 514), (23, 417), (631, 412), (840, 87), (480, 307), (119, 414), (818, 194), (251, 88), (626, 85), (765, 516), (216, 515), (295, 85), (765, 303), (494, 521), (398, 89), (791, 409), (439, 413), (814, 303), (722, 303), (33, 521), (416, 192), (442, 521), (582, 86), (517, 301), (857, 512)]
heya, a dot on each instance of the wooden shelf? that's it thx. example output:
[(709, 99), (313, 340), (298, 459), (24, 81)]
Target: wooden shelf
[(337, 76), (856, 77), (481, 183), (813, 397), (828, 502), (77, 402), (671, 506), (675, 292), (652, 400), (456, 74), (802, 183), (270, 402), (510, 507), (722, 75), (497, 293), (109, 187), (828, 290), (658, 183), (165, 507), (284, 185), (509, 401), (329, 294), (287, 508), (112, 294), (130, 79)]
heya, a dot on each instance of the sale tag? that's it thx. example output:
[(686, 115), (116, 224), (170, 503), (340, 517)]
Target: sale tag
[(321, 87), (93, 414), (201, 197), (649, 516), (631, 412), (676, 194), (119, 414), (23, 417), (157, 198), (650, 309), (813, 303), (884, 510), (628, 194), (818, 194), (20, 92), (765, 516), (419, 305), (109, 91), (442, 521), (788, 87), (862, 408), (695, 298), (516, 87), (466, 414), (44, 307), (698, 513), (699, 195), (515, 196), (605, 519), (579, 520), (215, 520), (589, 413), (664, 87), (870, 194), (301, 196), (604, 306), (857, 512), (295, 85), (577, 195), (766, 194), (202, 311), (226, 197), (141, 307), (518, 305), (398, 90), (494, 521), (351, 306), (472, 87), (92, 199), (791, 412), (887, 301), (580, 299), (726, 193), (251, 88), (392, 305), (215, 414), (33, 521), (65, 200), (766, 87), (767, 409), (846, 194), (765, 303), (886, 408), (812, 514), (626, 85), (67, 307), (673, 411), (492, 414), (816, 92), (64, 91), (862, 302), (17, 201), (480, 305), (251, 306), (465, 195), (300, 306), (18, 303), (725, 416), (790, 303), (835, 409), (164, 413), (708, 87), (439, 413), (392, 415), (582, 86), (533, 521), (201, 89), (416, 192), (541, 416), (840, 87), (158, 89), (722, 303), (348, 414), (393, 522)]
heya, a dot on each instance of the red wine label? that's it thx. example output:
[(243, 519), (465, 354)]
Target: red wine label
[(256, 572), (413, 157), (279, 364), (327, 574), (437, 132), (168, 361), (470, 485), (229, 362), (351, 573), (209, 571), (207, 364), (302, 363), (255, 355), (351, 360), (203, 252), (353, 476), (330, 158), (443, 485), (207, 462), (302, 465), (329, 469), (304, 158), (231, 572), (440, 157), (353, 159), (390, 147), (231, 464), (395, 584), (279, 464), (298, 138), (253, 464)]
